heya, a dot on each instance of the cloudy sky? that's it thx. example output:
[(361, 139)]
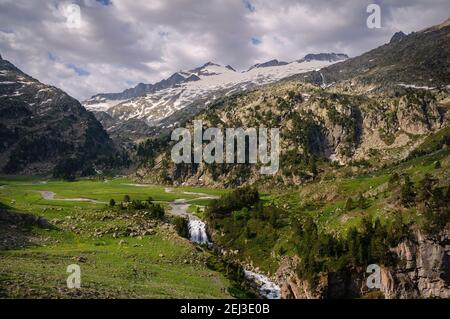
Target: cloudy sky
[(119, 43)]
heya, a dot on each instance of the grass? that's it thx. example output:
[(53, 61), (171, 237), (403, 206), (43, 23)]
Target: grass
[(158, 265)]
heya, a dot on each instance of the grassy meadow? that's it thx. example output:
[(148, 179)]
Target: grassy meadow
[(155, 264)]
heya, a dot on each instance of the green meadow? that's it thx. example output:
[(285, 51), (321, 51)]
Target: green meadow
[(158, 264)]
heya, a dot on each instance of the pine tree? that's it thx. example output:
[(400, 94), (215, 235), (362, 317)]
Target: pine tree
[(425, 191), (314, 166), (447, 195), (349, 204), (393, 180), (407, 192), (362, 203)]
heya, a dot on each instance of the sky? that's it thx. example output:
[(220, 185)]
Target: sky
[(112, 45)]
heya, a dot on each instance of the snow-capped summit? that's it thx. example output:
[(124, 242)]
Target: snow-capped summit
[(211, 68), (199, 86)]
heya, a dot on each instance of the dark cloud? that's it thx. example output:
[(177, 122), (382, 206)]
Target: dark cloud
[(121, 42)]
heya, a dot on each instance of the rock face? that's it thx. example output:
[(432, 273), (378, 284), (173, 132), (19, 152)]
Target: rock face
[(423, 272)]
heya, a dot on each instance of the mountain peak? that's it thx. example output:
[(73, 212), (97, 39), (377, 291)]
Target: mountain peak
[(332, 57), (273, 62), (397, 37), (201, 68), (210, 64)]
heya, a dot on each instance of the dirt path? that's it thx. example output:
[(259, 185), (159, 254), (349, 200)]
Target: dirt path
[(48, 195)]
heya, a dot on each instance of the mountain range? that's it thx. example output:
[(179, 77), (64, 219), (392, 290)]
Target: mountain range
[(376, 101), (134, 112)]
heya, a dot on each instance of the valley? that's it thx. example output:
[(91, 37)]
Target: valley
[(359, 176)]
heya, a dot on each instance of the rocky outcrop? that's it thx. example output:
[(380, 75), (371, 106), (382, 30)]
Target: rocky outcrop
[(23, 218), (423, 271)]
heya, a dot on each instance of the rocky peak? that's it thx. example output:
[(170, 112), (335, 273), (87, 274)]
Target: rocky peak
[(273, 62), (175, 78), (332, 57), (397, 37), (204, 66), (192, 78)]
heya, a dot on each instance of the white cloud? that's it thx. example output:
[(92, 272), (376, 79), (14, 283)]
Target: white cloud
[(147, 40)]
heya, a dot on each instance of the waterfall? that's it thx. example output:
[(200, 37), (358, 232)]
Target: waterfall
[(197, 231), (198, 235), (266, 287)]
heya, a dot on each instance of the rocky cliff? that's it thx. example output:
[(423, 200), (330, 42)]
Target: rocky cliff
[(423, 271)]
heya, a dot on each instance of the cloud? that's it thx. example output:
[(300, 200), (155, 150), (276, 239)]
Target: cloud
[(79, 71), (121, 42)]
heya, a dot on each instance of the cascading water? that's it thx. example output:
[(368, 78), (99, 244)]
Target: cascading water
[(266, 287), (198, 235), (197, 231)]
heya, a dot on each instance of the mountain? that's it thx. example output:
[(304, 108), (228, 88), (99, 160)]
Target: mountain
[(267, 64), (353, 111), (41, 128), (420, 59), (398, 36), (185, 93), (139, 90), (331, 57)]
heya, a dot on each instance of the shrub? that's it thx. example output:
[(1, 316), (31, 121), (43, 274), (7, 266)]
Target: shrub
[(181, 226), (349, 204)]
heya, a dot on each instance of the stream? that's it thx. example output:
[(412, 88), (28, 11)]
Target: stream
[(198, 235)]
